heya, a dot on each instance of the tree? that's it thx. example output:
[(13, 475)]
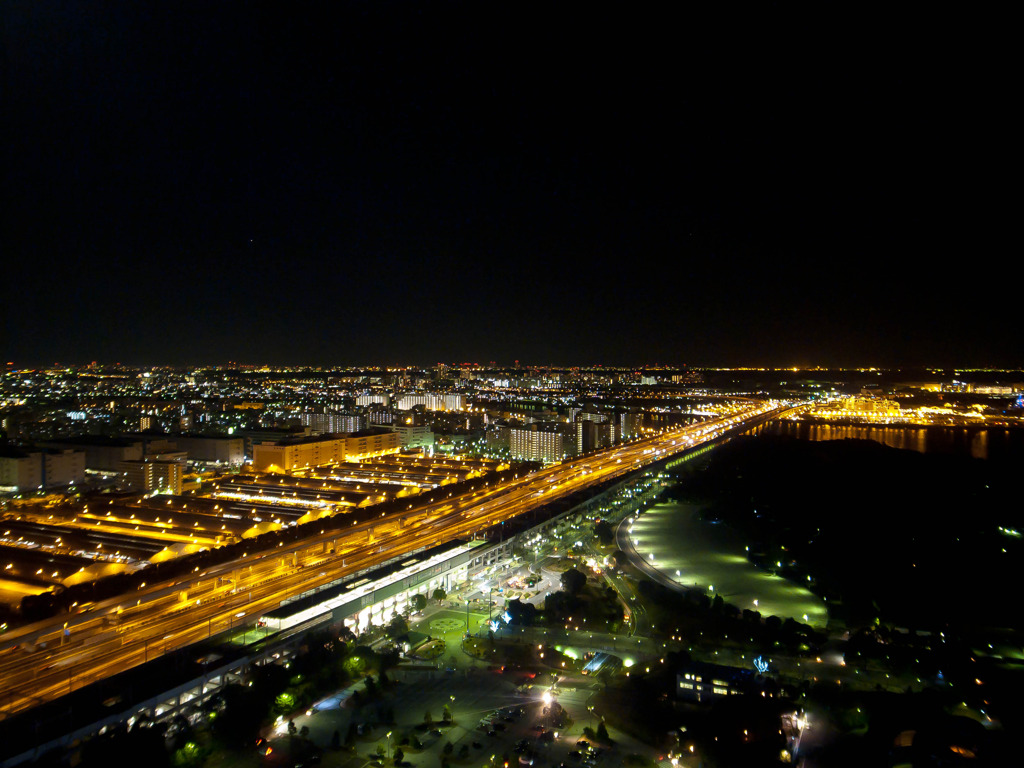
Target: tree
[(439, 594), (602, 733), (418, 602), (522, 614), (304, 731), (239, 723), (336, 739), (397, 627), (284, 703), (573, 581), (620, 558), (399, 756), (428, 718), (448, 748), (355, 666), (605, 532), (188, 756), (446, 714), (558, 605)]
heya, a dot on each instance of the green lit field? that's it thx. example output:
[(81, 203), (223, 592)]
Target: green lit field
[(694, 553)]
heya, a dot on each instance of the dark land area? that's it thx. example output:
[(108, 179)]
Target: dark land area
[(919, 541)]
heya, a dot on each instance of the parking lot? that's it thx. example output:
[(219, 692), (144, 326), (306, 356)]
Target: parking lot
[(490, 719)]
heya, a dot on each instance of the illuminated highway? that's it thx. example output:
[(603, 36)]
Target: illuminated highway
[(132, 629)]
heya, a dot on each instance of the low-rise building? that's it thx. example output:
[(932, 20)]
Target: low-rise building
[(704, 682), (288, 455), (102, 454), (225, 449), (40, 468), (414, 436)]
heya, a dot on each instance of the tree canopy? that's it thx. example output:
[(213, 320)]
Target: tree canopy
[(573, 581)]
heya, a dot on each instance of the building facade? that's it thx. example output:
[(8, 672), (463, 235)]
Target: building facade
[(40, 469), (546, 444), (289, 455)]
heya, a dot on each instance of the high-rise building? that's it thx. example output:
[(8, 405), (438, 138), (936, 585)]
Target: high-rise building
[(544, 443), (432, 401), (153, 475), (498, 437), (334, 422), (593, 435), (377, 414), (374, 399), (630, 425)]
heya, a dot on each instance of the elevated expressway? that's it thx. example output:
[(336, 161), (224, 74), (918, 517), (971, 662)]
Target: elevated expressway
[(46, 660)]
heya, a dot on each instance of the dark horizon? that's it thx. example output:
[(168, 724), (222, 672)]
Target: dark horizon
[(196, 183)]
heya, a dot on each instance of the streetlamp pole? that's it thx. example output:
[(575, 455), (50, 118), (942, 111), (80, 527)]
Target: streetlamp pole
[(467, 616)]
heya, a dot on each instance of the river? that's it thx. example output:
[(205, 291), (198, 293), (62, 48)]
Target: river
[(979, 442)]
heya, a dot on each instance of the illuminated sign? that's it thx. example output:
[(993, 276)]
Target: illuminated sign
[(760, 665)]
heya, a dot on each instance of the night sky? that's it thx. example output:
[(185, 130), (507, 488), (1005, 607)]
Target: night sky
[(396, 183)]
